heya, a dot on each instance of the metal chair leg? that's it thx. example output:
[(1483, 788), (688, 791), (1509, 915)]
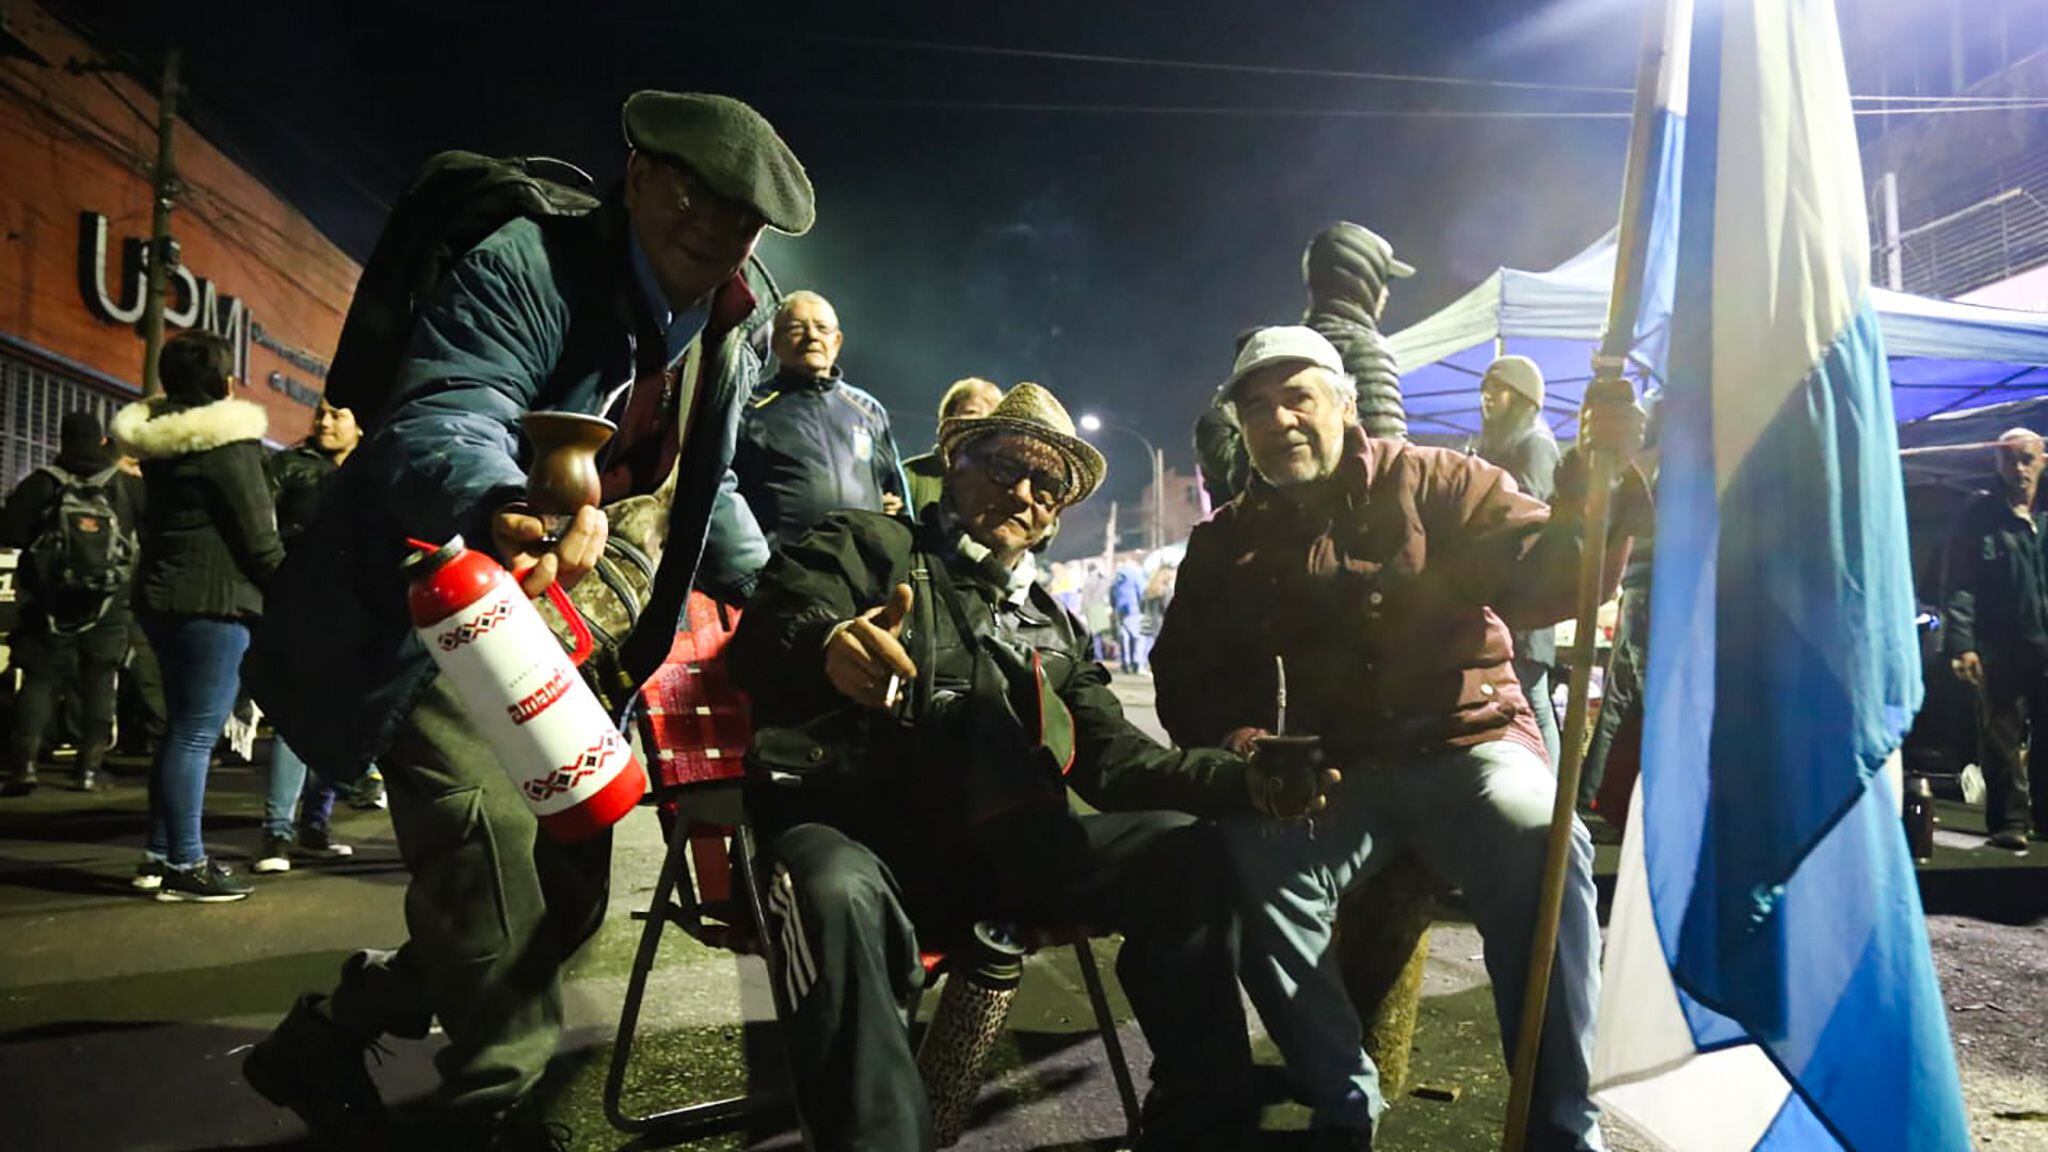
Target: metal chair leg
[(745, 853), (674, 872), (1112, 1044)]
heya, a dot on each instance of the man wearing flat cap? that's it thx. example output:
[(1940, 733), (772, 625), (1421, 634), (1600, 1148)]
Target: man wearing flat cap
[(921, 708), (638, 309), (1386, 576)]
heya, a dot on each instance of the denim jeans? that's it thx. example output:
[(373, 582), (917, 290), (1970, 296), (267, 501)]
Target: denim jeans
[(1477, 817), (1535, 678), (297, 798), (201, 658), (1136, 646)]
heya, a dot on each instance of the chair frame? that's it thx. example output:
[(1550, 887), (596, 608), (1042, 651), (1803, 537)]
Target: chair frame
[(669, 904)]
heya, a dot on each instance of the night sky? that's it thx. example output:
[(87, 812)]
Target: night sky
[(1111, 255)]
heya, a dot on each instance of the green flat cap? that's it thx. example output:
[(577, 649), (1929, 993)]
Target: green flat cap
[(730, 147)]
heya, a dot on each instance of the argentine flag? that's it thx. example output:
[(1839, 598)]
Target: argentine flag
[(1767, 977)]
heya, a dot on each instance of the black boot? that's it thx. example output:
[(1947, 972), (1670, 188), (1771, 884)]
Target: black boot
[(20, 782), (309, 1065)]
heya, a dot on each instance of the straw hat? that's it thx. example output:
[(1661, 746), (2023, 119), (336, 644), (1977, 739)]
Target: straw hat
[(1030, 410)]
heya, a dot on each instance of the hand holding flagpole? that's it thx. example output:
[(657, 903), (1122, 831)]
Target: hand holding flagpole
[(1610, 435)]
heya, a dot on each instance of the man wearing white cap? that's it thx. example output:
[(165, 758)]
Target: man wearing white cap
[(1514, 436), (1385, 576)]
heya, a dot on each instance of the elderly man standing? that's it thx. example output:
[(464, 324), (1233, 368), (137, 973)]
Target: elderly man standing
[(1386, 576), (922, 706), (1997, 636), (1514, 436), (966, 399), (811, 443), (643, 299)]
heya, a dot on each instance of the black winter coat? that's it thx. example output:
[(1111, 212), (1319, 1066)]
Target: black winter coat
[(296, 476), (209, 533), (27, 515), (914, 784), (1995, 584)]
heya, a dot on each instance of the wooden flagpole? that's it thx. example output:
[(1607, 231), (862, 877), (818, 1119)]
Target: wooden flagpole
[(1609, 386)]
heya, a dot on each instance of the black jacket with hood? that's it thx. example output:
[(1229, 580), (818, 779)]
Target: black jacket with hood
[(28, 514)]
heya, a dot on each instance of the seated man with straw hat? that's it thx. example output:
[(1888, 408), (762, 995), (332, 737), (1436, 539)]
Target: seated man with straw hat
[(921, 708)]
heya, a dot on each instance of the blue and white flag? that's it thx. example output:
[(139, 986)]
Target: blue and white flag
[(1767, 979)]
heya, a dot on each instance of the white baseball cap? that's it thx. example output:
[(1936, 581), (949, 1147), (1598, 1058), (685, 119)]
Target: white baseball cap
[(1279, 345)]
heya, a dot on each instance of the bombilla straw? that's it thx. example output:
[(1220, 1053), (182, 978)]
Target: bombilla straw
[(1279, 695)]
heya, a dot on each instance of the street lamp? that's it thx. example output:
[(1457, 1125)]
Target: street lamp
[(1090, 422)]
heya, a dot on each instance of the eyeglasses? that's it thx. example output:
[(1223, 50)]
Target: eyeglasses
[(692, 195), (1048, 489)]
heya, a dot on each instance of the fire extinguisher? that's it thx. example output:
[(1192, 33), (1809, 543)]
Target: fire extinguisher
[(522, 691)]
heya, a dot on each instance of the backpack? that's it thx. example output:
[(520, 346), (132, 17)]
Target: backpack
[(455, 202), (84, 550)]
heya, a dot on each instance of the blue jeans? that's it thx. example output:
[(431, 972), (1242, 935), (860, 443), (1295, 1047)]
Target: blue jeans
[(297, 798), (201, 658), (1478, 818), (1132, 640), (1536, 685)]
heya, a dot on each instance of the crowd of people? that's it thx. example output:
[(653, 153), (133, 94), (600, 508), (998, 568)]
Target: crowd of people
[(925, 692), (145, 553)]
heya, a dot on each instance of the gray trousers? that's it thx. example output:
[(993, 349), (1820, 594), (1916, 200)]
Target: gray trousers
[(493, 911), (1478, 818)]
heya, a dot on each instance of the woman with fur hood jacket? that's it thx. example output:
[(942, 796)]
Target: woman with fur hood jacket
[(209, 543)]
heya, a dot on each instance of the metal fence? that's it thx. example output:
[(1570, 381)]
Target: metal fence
[(1972, 232), (33, 401)]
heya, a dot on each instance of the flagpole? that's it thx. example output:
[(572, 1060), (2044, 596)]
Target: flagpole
[(1609, 386)]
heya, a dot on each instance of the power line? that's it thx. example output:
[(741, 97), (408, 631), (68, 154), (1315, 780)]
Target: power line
[(1215, 66), (1338, 113), (1332, 73), (1228, 110)]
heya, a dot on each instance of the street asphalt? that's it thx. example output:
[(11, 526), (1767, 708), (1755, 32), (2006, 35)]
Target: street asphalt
[(123, 1020)]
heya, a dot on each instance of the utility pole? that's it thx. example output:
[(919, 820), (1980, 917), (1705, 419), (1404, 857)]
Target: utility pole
[(1158, 499), (165, 181), (1894, 258)]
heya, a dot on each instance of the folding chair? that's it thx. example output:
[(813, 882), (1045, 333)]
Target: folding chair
[(696, 731)]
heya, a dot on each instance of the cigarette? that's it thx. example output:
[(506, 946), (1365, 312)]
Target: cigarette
[(892, 691)]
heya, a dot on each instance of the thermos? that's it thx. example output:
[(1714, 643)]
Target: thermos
[(953, 1056), (1920, 817), (522, 691)]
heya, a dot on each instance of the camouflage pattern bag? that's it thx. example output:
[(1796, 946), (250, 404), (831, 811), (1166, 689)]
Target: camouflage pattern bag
[(611, 598)]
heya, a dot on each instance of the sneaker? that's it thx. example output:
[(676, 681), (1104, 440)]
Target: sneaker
[(311, 1066), (2012, 840), (149, 875), (87, 780), (369, 792), (314, 841), (276, 857), (206, 883)]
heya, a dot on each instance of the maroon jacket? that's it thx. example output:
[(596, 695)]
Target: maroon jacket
[(1390, 596)]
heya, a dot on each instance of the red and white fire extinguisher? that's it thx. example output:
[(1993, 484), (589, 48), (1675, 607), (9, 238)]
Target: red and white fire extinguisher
[(522, 691)]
